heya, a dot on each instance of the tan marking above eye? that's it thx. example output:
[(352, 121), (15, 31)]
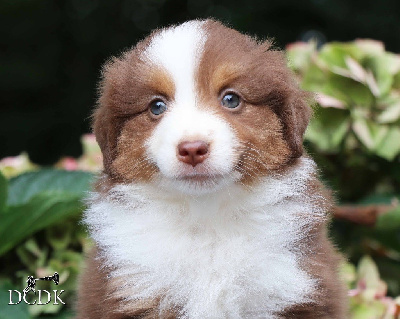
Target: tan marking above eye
[(162, 83), (223, 77)]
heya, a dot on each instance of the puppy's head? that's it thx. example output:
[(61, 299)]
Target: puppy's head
[(199, 106)]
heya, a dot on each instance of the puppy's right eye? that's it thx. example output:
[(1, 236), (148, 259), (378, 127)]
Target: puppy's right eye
[(157, 107)]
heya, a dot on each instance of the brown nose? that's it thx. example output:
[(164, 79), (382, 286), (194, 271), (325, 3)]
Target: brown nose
[(192, 153)]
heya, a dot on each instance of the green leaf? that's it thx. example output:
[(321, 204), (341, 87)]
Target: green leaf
[(299, 55), (335, 53), (383, 66), (42, 210), (390, 114), (59, 236), (328, 128), (369, 133), (368, 46), (387, 229), (314, 79), (349, 90), (347, 273), (368, 271), (64, 314), (389, 146), (390, 270), (375, 199), (7, 311), (24, 187), (3, 193), (396, 81), (370, 310), (389, 221), (37, 200), (31, 255), (46, 309)]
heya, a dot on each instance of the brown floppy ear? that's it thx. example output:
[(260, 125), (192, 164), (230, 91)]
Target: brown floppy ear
[(292, 107), (106, 123), (296, 118), (105, 135), (284, 96)]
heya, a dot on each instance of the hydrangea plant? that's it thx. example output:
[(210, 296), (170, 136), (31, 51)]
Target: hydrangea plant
[(367, 292), (357, 86)]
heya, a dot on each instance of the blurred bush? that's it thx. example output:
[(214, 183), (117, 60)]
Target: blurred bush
[(355, 132), (355, 138), (51, 52), (40, 232)]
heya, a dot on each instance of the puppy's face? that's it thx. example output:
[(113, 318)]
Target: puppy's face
[(198, 107)]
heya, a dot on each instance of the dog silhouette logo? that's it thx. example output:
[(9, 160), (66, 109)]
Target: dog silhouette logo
[(32, 281)]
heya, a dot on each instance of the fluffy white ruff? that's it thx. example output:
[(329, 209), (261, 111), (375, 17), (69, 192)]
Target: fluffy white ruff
[(232, 254)]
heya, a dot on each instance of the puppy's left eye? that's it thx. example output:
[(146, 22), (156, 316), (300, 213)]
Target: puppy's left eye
[(230, 101), (157, 107)]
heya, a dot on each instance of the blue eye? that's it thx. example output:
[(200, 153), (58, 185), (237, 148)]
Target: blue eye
[(157, 107), (230, 101)]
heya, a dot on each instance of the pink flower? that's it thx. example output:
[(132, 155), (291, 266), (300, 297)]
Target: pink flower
[(68, 163)]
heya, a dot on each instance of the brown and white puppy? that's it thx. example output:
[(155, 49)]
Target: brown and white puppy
[(207, 207)]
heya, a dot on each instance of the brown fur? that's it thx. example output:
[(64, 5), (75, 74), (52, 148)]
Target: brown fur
[(259, 74), (103, 298), (330, 295), (122, 121), (270, 125), (321, 261), (226, 68)]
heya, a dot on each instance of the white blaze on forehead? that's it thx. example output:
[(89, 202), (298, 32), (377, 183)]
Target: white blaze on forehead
[(178, 50)]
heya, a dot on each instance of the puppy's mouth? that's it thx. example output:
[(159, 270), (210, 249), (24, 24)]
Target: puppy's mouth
[(198, 183), (199, 178)]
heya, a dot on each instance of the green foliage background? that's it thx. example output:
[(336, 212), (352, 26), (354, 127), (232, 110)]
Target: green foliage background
[(354, 137), (51, 52)]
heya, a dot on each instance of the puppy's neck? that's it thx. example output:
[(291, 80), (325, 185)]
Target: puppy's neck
[(172, 244)]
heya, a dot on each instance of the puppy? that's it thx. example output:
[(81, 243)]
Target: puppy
[(207, 207)]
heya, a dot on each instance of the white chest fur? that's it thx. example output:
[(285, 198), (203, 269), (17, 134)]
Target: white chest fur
[(233, 254)]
